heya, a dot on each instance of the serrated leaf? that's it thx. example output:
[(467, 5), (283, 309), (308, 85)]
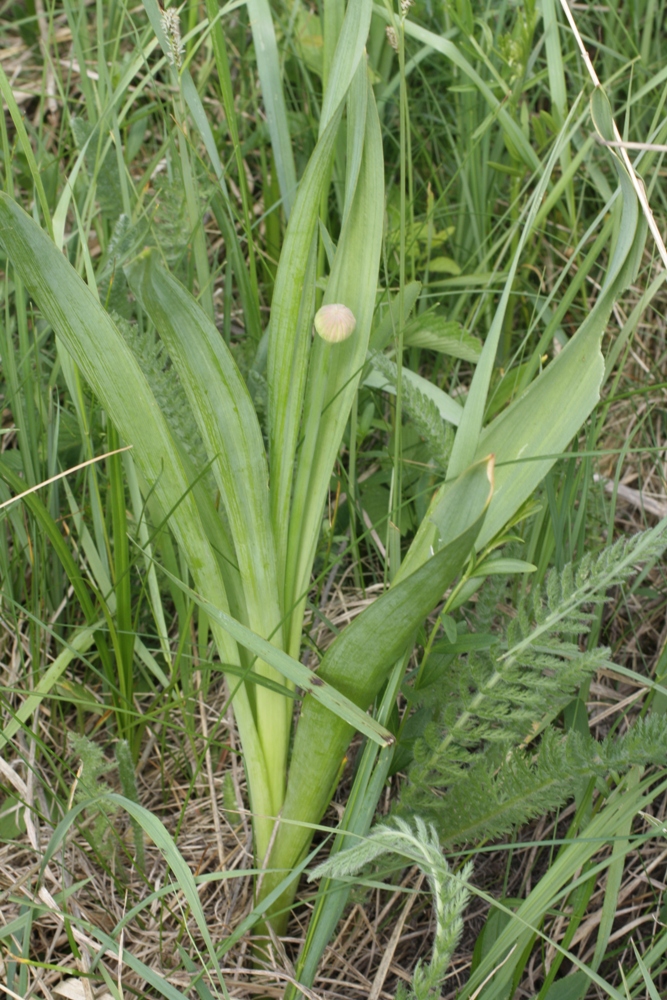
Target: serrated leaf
[(436, 333), (449, 409)]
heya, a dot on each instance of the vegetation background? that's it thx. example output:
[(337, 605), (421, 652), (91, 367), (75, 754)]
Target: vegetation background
[(110, 682)]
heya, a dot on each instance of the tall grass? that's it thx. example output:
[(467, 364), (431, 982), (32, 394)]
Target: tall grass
[(215, 515)]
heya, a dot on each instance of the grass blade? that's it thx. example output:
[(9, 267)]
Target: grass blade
[(17, 119), (77, 645), (270, 78)]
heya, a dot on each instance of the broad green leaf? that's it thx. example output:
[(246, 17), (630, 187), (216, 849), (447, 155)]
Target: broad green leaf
[(360, 658), (572, 987), (106, 361), (12, 823), (357, 660), (468, 435), (529, 436), (229, 427), (444, 265), (335, 370), (293, 302), (333, 15), (108, 364), (357, 106), (290, 329), (370, 779), (502, 567), (449, 627), (448, 515), (496, 920), (154, 13), (348, 55)]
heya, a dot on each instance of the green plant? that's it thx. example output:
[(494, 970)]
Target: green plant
[(246, 518), (489, 757), (89, 785), (90, 789)]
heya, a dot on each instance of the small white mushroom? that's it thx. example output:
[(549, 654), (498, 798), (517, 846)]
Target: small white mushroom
[(335, 323)]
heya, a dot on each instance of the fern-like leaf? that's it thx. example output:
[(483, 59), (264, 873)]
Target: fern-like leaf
[(472, 774), (90, 784), (128, 782), (167, 389), (500, 794), (422, 411)]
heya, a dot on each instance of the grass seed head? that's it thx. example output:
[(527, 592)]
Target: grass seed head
[(335, 323), (171, 25), (392, 37)]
